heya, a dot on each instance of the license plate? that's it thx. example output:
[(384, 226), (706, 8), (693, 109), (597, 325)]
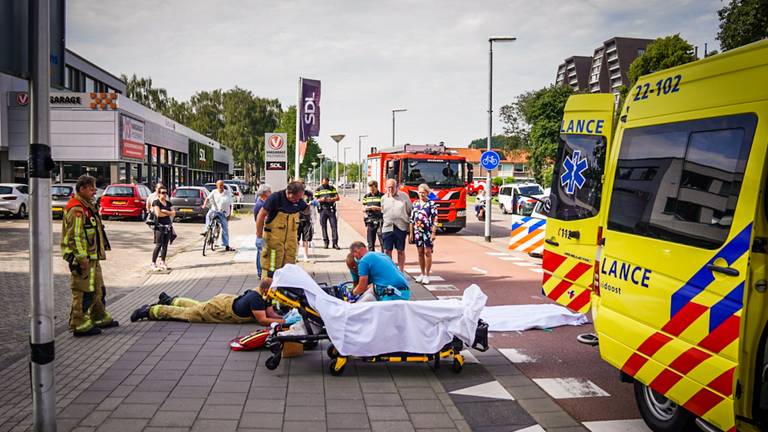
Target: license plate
[(118, 202), (186, 210), (56, 209)]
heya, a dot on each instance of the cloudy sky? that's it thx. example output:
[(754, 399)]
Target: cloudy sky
[(429, 56)]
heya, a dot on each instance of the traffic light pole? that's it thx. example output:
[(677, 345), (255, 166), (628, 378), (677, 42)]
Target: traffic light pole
[(41, 339), (488, 187)]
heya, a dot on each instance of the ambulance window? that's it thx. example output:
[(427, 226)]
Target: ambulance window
[(680, 182), (577, 179)]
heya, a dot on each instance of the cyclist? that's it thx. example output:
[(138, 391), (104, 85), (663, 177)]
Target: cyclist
[(221, 208)]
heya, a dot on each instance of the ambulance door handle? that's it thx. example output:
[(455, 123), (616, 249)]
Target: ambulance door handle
[(724, 270), (551, 242)]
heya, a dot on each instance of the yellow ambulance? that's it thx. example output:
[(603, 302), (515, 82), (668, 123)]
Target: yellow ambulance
[(674, 209)]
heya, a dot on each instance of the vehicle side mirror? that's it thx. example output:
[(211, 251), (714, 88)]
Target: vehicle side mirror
[(470, 174)]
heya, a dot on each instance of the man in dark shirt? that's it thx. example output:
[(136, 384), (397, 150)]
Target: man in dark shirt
[(306, 230), (373, 215), (277, 227), (327, 197), (223, 308)]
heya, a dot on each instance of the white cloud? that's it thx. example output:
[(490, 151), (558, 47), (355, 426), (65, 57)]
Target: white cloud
[(429, 56)]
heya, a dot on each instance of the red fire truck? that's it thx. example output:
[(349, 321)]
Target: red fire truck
[(445, 173)]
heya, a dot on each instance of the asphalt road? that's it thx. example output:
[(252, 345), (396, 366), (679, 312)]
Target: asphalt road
[(465, 258)]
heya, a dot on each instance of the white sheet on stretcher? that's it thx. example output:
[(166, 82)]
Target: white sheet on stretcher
[(373, 328)]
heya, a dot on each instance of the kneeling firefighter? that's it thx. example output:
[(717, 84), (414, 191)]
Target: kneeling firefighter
[(83, 244), (277, 227)]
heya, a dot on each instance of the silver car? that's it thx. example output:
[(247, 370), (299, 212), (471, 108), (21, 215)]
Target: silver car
[(60, 195)]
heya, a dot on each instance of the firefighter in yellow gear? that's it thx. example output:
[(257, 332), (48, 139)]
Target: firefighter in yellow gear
[(277, 227), (83, 244), (251, 306)]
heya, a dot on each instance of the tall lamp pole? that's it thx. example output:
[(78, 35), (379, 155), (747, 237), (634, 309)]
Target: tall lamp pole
[(360, 161), (314, 171), (397, 110), (346, 173), (322, 162), (337, 138), (488, 187)]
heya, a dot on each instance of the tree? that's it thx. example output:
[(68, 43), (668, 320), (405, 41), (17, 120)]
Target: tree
[(742, 22), (535, 117), (206, 113), (313, 149), (663, 53), (503, 142), (142, 91)]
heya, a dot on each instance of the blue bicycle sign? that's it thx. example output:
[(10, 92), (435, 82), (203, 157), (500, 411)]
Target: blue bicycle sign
[(490, 160)]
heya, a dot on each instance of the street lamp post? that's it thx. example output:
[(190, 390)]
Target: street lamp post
[(322, 160), (346, 174), (314, 171), (360, 161), (488, 187), (337, 138), (397, 110)]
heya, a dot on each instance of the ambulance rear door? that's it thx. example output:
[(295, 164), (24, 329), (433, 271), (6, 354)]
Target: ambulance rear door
[(572, 223)]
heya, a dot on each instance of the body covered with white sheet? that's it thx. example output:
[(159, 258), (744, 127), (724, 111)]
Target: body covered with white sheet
[(374, 328)]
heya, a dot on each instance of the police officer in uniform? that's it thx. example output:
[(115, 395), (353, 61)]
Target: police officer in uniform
[(83, 244), (373, 215), (327, 196), (277, 227)]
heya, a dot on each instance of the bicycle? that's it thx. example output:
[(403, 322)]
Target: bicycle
[(212, 235)]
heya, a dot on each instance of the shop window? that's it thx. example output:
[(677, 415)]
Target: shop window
[(90, 84)]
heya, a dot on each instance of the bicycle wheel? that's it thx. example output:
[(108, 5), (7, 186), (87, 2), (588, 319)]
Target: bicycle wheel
[(215, 235), (206, 239)]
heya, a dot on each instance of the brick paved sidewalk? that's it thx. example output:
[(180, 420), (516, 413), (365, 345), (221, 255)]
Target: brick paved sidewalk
[(174, 376)]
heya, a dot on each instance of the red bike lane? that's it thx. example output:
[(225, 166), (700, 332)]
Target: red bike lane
[(572, 373)]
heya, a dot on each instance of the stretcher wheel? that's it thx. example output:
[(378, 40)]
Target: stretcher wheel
[(458, 363), (337, 366), (273, 362), (332, 353)]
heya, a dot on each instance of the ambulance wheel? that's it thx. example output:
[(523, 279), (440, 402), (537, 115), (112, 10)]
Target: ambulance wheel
[(273, 362), (457, 365), (660, 413), (338, 365), (332, 353)]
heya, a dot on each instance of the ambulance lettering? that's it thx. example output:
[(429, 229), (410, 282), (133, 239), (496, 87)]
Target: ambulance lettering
[(626, 272), (582, 126)]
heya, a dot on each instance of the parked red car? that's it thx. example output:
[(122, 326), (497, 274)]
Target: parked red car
[(476, 186), (125, 200)]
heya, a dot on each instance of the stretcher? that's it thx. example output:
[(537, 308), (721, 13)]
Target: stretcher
[(316, 330)]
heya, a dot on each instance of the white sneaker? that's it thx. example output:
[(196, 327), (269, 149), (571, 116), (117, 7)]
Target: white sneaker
[(154, 268), (163, 266), (418, 278), (425, 280)]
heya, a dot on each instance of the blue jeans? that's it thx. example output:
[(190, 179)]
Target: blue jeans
[(224, 226)]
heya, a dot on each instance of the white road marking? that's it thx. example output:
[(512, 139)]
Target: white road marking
[(412, 269), (449, 297), (534, 428), (491, 390), (479, 270), (516, 356), (566, 388), (498, 254), (527, 264), (537, 270), (511, 258), (441, 287), (635, 425), (433, 278)]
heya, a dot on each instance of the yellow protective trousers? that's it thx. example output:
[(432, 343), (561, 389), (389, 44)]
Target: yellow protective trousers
[(216, 310), (89, 297), (280, 242)]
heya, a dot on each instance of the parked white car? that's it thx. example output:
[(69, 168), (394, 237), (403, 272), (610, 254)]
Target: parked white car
[(14, 199), (513, 198)]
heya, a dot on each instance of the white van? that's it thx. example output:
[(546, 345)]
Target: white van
[(512, 197)]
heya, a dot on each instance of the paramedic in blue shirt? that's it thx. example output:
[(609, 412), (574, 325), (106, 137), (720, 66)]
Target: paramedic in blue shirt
[(262, 194), (377, 269)]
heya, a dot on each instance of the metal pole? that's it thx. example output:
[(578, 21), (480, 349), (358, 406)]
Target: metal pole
[(296, 160), (488, 188), (360, 167), (41, 339), (336, 181), (393, 128)]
